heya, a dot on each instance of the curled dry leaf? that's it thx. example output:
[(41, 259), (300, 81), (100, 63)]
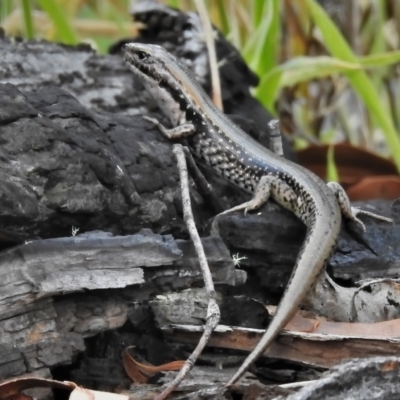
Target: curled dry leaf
[(389, 366), (12, 388), (385, 330), (310, 340), (141, 373), (355, 166), (86, 394), (376, 187)]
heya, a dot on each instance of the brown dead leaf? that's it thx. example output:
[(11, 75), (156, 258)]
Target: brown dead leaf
[(11, 389), (86, 394), (307, 322), (141, 373), (19, 397), (385, 330), (354, 164), (310, 340), (390, 366), (375, 187)]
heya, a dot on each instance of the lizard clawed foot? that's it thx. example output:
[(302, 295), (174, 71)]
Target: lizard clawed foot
[(356, 211), (152, 120), (350, 212), (178, 132)]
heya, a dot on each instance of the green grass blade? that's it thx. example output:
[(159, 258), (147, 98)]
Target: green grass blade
[(332, 174), (257, 11), (223, 16), (27, 12), (5, 9), (297, 70), (173, 3), (234, 31), (339, 48), (380, 17), (380, 60), (65, 32), (262, 57), (302, 69)]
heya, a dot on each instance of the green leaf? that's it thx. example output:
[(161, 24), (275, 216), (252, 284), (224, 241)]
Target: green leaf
[(379, 60), (173, 3), (61, 23), (327, 136), (364, 87), (380, 17), (262, 49), (332, 174), (27, 11), (299, 69), (257, 11), (6, 8), (223, 16)]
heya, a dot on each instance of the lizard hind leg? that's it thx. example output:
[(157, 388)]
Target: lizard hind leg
[(352, 212)]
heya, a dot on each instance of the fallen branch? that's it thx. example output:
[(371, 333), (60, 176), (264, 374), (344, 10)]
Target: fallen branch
[(213, 313), (311, 341)]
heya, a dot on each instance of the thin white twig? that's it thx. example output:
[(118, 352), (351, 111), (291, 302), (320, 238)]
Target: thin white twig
[(209, 38), (213, 313)]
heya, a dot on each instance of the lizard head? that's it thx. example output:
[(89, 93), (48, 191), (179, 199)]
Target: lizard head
[(149, 62), (172, 85)]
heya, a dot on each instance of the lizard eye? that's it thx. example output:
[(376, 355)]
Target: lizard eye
[(141, 55)]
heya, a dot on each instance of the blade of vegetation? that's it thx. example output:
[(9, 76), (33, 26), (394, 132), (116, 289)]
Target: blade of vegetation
[(257, 12), (332, 174), (26, 7), (337, 45), (5, 9), (297, 70), (302, 69), (173, 3), (379, 43), (379, 60), (223, 16), (234, 32), (262, 49), (65, 32)]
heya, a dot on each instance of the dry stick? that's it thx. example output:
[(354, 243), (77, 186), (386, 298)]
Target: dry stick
[(209, 37), (213, 314), (275, 137)]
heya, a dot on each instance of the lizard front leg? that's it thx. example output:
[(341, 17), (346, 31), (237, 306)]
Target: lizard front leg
[(178, 132), (267, 185), (261, 195)]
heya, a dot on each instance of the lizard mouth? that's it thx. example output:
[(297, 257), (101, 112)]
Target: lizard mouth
[(132, 64), (128, 57), (140, 69)]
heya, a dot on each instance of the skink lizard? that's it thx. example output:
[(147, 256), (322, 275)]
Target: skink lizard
[(215, 140)]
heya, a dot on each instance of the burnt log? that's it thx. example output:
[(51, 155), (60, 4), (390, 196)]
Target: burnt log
[(76, 154), (44, 311)]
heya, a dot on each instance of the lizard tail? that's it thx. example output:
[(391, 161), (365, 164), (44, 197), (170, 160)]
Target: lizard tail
[(309, 264)]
